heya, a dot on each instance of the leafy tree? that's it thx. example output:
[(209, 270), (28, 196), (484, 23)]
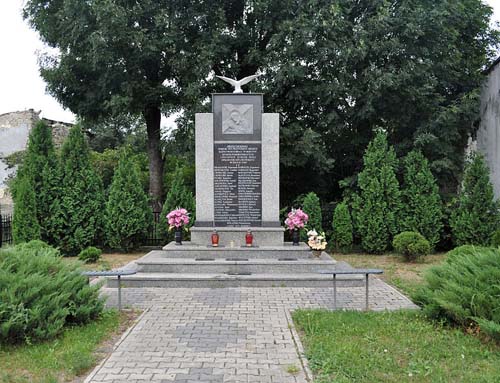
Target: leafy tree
[(25, 225), (82, 202), (128, 213), (377, 206), (312, 207), (178, 196), (342, 227), (334, 70), (476, 217), (421, 210)]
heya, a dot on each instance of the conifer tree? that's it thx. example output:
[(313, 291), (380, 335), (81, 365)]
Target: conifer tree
[(128, 213), (177, 196), (476, 217), (50, 203), (342, 227), (376, 207), (312, 207), (40, 146), (82, 201), (421, 209), (25, 225)]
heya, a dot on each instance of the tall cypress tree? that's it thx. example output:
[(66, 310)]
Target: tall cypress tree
[(342, 227), (82, 201), (178, 196), (312, 207), (128, 213), (378, 203), (477, 214), (40, 168), (25, 225), (421, 211), (40, 146)]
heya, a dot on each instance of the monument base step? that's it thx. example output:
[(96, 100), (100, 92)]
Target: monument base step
[(191, 250), (218, 280), (234, 265)]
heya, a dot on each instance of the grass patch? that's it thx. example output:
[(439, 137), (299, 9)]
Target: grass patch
[(404, 275), (74, 353), (107, 261), (399, 346)]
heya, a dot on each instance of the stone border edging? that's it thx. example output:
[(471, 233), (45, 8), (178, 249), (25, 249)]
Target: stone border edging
[(115, 346), (299, 347)]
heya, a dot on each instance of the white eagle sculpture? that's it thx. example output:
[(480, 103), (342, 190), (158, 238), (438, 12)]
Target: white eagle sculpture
[(238, 83)]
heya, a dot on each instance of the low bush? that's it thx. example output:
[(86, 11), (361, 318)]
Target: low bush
[(411, 245), (37, 247), (465, 289), (40, 294), (90, 255)]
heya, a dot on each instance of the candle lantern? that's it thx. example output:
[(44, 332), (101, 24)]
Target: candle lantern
[(249, 238), (215, 239)]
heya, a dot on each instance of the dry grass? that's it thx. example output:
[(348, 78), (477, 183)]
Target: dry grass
[(404, 275), (108, 261)]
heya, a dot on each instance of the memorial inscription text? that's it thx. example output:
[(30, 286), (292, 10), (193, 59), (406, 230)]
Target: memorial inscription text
[(237, 184)]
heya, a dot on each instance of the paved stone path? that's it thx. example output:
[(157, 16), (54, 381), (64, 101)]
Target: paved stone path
[(224, 335)]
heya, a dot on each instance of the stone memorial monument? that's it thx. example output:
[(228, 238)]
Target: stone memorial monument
[(237, 191), (237, 172)]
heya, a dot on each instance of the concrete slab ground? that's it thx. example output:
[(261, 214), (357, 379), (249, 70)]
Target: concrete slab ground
[(224, 335)]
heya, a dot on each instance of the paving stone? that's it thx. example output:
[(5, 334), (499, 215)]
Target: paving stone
[(223, 335)]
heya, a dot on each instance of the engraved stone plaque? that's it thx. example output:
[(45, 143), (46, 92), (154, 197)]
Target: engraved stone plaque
[(237, 119)]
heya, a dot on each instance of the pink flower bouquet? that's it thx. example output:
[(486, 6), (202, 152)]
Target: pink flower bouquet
[(297, 219), (178, 218)]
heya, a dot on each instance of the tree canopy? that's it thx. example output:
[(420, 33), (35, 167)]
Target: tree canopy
[(334, 69)]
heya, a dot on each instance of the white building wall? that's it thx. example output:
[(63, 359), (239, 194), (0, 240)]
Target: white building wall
[(488, 135)]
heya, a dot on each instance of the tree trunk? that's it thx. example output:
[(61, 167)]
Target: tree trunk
[(152, 115)]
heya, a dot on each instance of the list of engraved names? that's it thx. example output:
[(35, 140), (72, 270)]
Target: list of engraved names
[(237, 184)]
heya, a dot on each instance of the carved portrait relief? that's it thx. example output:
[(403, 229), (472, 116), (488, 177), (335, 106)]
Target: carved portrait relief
[(237, 119)]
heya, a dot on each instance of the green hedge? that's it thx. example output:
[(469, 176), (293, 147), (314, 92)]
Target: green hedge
[(40, 294), (465, 289)]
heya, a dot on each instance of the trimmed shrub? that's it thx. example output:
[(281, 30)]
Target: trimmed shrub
[(411, 245), (378, 203), (82, 202), (25, 226), (495, 238), (90, 255), (40, 295), (312, 207), (421, 208), (128, 212), (342, 227), (476, 217), (465, 289)]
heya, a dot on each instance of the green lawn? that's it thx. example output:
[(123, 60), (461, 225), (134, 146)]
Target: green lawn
[(73, 353), (405, 276), (394, 347)]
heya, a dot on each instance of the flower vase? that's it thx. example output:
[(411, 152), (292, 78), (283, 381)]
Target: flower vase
[(316, 253), (295, 237), (178, 236)]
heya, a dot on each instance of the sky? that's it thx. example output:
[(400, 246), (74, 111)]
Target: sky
[(21, 86)]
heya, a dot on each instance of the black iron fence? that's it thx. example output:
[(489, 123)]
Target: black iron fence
[(5, 229), (156, 234)]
